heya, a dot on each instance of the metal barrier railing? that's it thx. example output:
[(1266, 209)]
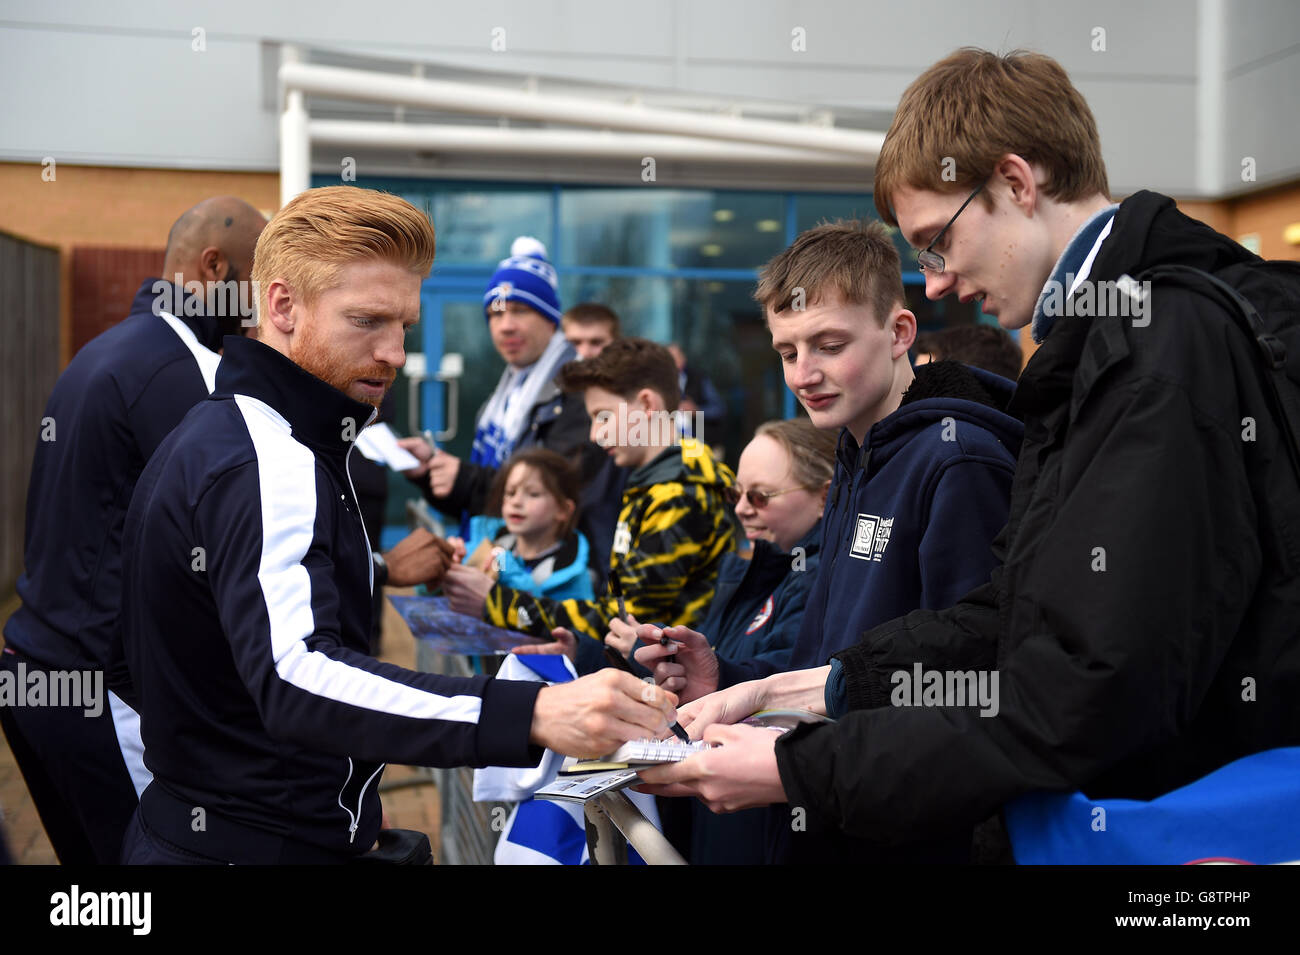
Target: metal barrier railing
[(614, 823)]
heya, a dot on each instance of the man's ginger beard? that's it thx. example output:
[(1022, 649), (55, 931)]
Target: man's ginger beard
[(313, 353)]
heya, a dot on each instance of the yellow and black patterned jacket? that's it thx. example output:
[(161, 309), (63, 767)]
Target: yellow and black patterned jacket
[(673, 529)]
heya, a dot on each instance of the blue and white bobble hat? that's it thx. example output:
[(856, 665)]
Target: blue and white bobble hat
[(526, 277)]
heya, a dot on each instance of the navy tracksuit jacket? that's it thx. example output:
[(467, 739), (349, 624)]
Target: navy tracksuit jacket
[(246, 621), (115, 402), (112, 406)]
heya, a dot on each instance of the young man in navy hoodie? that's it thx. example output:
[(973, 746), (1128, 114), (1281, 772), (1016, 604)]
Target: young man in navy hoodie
[(922, 479), (1142, 617)]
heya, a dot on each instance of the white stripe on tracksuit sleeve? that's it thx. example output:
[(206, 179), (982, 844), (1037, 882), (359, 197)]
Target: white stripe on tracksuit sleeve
[(266, 534)]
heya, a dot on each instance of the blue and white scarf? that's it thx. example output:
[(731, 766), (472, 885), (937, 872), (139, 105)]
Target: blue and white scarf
[(505, 416)]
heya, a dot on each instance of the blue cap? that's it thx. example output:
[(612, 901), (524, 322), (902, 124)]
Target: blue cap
[(526, 277)]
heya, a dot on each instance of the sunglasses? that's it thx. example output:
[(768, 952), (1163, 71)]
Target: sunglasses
[(757, 499)]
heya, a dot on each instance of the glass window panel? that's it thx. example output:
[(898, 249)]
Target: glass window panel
[(720, 328), (476, 226), (465, 331), (475, 222), (397, 406), (670, 228), (810, 210)]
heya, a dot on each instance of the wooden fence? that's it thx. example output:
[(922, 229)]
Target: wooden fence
[(29, 365)]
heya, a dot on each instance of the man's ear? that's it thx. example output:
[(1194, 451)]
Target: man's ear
[(212, 265), (1018, 181), (280, 307), (903, 325), (649, 400)]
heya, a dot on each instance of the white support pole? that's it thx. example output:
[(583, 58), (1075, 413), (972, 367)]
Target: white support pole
[(468, 98), (1211, 178), (295, 144), (566, 142)]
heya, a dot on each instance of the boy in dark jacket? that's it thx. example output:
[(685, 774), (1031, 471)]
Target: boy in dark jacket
[(924, 463), (1141, 622)]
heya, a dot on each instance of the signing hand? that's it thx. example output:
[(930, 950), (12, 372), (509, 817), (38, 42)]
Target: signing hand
[(418, 558), (694, 673), (738, 773), (594, 715), (466, 589)]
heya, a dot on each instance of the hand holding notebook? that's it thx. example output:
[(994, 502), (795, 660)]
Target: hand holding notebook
[(637, 753)]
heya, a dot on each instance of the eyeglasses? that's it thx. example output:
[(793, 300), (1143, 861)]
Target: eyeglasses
[(757, 499), (932, 261)]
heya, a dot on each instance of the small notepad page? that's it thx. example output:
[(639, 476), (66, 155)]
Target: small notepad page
[(639, 751)]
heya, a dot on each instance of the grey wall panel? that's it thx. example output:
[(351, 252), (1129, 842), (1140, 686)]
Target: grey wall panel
[(129, 90), (134, 100), (1256, 30), (1150, 148), (1263, 121)]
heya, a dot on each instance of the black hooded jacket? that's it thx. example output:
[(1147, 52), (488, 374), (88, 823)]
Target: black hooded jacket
[(1144, 621), (119, 397)]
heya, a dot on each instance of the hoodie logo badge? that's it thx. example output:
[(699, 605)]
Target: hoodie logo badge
[(871, 537), (622, 539), (764, 615)]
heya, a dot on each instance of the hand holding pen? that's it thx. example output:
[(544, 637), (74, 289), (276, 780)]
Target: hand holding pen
[(682, 660), (621, 640)]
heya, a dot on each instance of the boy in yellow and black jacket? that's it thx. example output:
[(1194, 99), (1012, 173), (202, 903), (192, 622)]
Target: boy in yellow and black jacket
[(674, 525)]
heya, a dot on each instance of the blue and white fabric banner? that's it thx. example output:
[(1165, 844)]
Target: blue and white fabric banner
[(1245, 811), (540, 831)]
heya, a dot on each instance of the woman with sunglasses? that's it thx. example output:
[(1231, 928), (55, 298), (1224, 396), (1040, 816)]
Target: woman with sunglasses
[(780, 492)]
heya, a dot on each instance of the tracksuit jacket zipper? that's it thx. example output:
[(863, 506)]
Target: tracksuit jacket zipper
[(355, 818)]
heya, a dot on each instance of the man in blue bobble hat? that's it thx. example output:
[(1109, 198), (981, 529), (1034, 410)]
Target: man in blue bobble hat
[(522, 307)]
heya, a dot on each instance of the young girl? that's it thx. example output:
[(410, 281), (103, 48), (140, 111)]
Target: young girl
[(527, 539)]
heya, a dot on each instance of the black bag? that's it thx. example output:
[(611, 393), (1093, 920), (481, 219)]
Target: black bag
[(1272, 287), (398, 847)]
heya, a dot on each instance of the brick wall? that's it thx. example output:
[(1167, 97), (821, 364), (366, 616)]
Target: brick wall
[(102, 206)]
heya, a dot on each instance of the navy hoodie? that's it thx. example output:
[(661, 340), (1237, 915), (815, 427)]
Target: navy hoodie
[(911, 515), (246, 621), (909, 524), (112, 406)]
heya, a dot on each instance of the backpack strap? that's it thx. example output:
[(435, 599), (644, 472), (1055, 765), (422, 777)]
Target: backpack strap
[(1283, 392)]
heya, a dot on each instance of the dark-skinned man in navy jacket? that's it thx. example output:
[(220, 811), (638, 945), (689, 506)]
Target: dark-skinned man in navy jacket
[(119, 397)]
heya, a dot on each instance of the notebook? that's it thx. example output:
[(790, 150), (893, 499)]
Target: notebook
[(583, 788), (638, 752)]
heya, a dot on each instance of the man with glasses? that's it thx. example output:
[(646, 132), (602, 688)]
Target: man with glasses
[(921, 484), (1141, 618)]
